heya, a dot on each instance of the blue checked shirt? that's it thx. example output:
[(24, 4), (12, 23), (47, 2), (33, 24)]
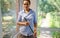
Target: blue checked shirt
[(31, 17)]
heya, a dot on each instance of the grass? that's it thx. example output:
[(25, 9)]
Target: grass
[(55, 34)]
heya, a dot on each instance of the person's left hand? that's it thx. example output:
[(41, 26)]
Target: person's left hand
[(35, 34)]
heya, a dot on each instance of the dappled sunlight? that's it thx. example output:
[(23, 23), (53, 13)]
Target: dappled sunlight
[(46, 21), (49, 17), (7, 17)]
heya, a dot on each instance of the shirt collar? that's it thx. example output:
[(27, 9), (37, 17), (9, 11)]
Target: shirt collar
[(29, 11)]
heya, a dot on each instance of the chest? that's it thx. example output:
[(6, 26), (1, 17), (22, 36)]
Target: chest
[(28, 17)]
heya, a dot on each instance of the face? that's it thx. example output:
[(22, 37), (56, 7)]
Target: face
[(26, 5)]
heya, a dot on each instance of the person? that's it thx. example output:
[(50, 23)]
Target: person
[(27, 22)]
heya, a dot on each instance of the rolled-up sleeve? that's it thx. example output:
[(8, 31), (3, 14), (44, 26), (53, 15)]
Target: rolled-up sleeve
[(19, 17), (35, 18)]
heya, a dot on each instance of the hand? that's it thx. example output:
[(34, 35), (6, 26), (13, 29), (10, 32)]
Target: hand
[(27, 23), (35, 34)]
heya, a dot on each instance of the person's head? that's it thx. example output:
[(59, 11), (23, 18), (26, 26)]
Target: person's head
[(26, 4)]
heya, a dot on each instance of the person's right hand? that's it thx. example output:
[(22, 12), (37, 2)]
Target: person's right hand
[(27, 23)]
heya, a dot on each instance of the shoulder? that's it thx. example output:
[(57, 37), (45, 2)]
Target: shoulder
[(32, 11), (20, 12)]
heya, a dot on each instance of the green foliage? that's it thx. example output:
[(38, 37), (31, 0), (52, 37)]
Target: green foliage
[(56, 34), (46, 7), (5, 6), (52, 7)]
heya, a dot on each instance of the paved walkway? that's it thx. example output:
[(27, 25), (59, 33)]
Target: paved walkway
[(43, 32)]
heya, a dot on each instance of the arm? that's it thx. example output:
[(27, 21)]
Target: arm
[(19, 23), (23, 23), (17, 28), (35, 30), (35, 26)]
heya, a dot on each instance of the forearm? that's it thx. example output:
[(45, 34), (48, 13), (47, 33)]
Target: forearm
[(20, 23), (35, 29), (23, 23), (17, 28)]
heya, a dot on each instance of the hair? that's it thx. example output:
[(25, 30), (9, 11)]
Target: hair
[(28, 1)]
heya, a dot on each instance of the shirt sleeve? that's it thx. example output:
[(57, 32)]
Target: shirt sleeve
[(35, 19), (19, 17)]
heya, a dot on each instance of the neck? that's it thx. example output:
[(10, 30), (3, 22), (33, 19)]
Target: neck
[(27, 10)]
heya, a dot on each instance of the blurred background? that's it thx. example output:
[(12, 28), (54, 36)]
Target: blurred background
[(8, 9), (48, 17)]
